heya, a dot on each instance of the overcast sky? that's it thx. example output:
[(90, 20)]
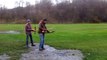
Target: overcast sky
[(11, 3)]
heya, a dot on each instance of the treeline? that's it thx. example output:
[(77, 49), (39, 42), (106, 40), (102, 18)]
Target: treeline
[(66, 11)]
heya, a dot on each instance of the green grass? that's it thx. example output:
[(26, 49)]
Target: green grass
[(91, 39)]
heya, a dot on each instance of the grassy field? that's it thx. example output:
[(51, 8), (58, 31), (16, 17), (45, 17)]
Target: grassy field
[(91, 39)]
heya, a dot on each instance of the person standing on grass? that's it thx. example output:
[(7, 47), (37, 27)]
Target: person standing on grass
[(42, 30), (28, 30)]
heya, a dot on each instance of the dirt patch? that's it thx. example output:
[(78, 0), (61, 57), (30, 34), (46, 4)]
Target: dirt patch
[(4, 57), (51, 53)]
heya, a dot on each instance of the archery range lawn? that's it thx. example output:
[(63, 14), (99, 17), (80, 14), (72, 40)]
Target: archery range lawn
[(91, 39)]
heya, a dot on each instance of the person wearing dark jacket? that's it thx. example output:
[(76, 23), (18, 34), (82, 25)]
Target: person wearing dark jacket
[(42, 31), (28, 30)]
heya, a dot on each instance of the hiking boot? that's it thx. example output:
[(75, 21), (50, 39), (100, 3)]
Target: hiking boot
[(41, 49), (33, 45)]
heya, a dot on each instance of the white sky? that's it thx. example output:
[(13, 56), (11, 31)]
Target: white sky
[(11, 3)]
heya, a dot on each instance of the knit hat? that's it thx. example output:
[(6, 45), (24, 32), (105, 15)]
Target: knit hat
[(28, 20)]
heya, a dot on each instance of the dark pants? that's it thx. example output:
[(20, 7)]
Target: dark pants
[(41, 45), (27, 38)]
